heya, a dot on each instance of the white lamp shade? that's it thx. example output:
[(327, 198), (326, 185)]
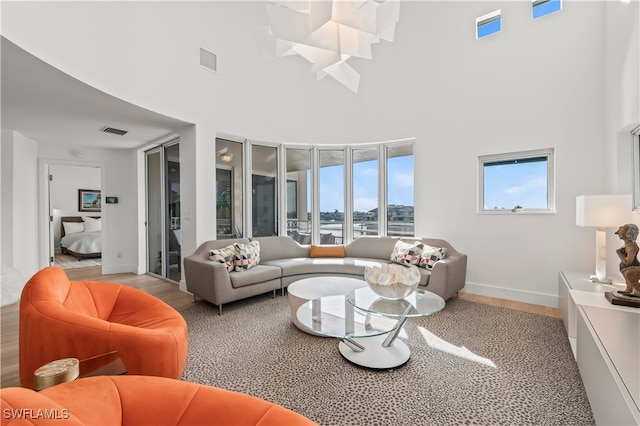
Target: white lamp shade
[(603, 211)]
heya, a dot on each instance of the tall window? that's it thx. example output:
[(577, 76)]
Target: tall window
[(400, 204), (365, 191), (299, 194), (517, 182), (331, 175), (229, 189), (264, 190)]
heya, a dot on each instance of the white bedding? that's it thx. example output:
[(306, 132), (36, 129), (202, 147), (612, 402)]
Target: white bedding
[(83, 242)]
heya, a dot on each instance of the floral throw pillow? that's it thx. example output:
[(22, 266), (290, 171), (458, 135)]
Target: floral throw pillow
[(406, 253), (247, 255), (431, 255), (226, 255)]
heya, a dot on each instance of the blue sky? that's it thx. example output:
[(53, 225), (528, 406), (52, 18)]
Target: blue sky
[(510, 185), (365, 185)]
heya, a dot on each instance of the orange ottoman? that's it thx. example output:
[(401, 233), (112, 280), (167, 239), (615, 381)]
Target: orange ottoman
[(81, 319), (140, 400)]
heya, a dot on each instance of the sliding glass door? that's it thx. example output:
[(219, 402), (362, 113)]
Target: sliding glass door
[(163, 211)]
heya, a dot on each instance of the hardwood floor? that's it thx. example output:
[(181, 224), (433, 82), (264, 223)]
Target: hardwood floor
[(169, 293)]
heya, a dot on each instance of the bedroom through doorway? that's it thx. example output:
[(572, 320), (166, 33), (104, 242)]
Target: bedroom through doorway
[(75, 216)]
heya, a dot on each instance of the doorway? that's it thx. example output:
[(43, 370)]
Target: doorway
[(73, 241)]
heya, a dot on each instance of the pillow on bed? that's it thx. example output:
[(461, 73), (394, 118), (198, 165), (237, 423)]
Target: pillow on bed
[(92, 225), (73, 227)]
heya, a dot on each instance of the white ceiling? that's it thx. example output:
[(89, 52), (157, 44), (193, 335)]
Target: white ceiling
[(49, 106)]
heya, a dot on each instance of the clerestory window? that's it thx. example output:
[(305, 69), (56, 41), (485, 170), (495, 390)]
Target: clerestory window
[(541, 8), (488, 24)]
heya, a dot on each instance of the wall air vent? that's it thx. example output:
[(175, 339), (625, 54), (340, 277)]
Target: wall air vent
[(207, 60), (114, 131)]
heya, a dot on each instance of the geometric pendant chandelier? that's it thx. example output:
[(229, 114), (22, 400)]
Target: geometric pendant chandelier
[(328, 33)]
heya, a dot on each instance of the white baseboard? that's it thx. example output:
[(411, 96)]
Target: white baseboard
[(550, 300), (119, 269)]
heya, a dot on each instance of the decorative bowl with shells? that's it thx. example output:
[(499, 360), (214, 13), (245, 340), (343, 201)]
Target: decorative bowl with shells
[(392, 281)]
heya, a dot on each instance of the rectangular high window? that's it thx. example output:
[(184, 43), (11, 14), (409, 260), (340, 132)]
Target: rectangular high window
[(517, 182), (489, 24), (544, 7)]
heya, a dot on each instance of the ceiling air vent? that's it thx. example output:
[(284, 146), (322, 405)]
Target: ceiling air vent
[(114, 131), (208, 60)]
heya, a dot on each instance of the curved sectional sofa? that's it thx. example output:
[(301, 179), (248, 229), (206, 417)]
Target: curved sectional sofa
[(283, 261)]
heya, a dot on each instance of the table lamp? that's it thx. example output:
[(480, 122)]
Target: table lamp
[(602, 211)]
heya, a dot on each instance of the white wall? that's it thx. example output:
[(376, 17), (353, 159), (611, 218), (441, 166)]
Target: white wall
[(19, 203), (622, 102), (537, 84), (67, 180)]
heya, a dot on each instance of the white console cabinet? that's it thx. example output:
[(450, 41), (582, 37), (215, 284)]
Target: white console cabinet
[(605, 339)]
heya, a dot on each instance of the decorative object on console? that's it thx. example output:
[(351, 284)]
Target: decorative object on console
[(629, 267), (617, 298), (392, 281), (602, 211), (328, 33)]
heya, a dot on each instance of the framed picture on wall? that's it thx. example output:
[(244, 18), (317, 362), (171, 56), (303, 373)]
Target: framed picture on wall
[(88, 200)]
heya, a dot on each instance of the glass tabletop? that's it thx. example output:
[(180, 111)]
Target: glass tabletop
[(335, 316), (420, 303)]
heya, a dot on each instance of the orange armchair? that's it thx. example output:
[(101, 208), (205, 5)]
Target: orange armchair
[(80, 319), (141, 400)]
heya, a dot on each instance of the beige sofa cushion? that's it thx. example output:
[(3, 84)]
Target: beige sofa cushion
[(371, 247), (280, 247), (323, 265), (257, 274)]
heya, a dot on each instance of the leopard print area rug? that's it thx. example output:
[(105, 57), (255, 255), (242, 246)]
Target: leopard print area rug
[(471, 364)]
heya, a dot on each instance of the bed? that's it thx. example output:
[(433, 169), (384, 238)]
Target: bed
[(81, 239)]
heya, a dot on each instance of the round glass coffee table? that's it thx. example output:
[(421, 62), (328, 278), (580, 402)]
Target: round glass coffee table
[(367, 324)]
